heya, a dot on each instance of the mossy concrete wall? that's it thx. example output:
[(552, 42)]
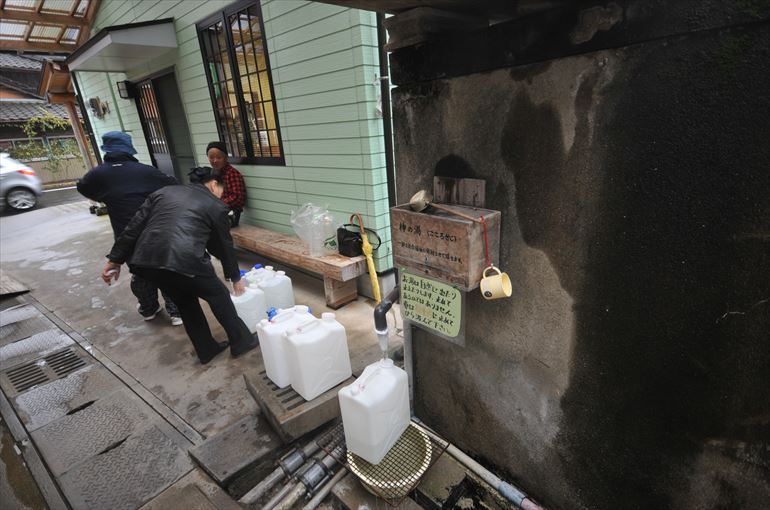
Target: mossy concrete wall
[(630, 367)]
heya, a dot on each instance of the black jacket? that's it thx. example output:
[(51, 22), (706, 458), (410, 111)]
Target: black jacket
[(123, 184), (173, 230)]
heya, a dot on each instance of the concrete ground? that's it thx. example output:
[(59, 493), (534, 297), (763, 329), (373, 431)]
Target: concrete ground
[(58, 253), (18, 490)]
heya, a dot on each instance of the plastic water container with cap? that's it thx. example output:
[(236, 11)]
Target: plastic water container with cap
[(250, 307), (278, 290), (257, 274), (317, 353), (271, 341), (375, 410)]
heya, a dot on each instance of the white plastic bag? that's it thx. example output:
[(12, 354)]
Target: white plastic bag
[(317, 227)]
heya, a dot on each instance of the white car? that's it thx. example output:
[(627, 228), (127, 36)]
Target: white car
[(19, 186)]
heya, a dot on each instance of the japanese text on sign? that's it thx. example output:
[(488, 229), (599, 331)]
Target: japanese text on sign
[(417, 230), (434, 305), (430, 251), (411, 229)]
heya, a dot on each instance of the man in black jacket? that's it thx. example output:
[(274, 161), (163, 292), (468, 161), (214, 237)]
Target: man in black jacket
[(168, 242), (123, 184)]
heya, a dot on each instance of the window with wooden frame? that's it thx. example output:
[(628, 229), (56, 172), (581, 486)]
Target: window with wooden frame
[(238, 73)]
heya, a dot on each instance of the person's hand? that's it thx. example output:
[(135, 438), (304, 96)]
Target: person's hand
[(239, 287), (111, 270)]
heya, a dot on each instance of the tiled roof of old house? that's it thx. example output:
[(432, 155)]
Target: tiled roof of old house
[(20, 111)]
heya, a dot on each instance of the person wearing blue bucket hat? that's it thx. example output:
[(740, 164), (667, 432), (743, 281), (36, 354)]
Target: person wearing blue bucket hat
[(123, 184), (117, 141)]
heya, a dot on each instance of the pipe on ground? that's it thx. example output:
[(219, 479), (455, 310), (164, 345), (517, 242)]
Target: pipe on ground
[(310, 480), (276, 500), (288, 502), (508, 491), (323, 491), (287, 466)]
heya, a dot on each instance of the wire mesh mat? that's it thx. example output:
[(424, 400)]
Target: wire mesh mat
[(402, 469)]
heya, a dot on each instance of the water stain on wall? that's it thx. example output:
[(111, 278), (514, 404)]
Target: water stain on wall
[(655, 375)]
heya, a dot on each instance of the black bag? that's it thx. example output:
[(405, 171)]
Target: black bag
[(350, 242)]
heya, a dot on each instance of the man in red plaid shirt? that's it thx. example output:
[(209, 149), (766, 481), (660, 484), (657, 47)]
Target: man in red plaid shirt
[(235, 187)]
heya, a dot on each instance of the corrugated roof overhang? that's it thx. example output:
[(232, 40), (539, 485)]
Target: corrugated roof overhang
[(121, 48)]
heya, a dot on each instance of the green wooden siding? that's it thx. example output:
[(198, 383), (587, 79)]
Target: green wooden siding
[(324, 61)]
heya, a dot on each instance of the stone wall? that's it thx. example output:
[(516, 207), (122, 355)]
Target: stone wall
[(630, 368)]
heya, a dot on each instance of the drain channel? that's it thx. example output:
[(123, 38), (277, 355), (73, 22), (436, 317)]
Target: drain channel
[(25, 377), (65, 362), (43, 370)]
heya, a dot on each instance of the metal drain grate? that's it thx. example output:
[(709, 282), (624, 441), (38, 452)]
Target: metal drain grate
[(402, 469), (26, 377), (64, 362), (49, 368)]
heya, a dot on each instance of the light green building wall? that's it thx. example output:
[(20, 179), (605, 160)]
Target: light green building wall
[(325, 64)]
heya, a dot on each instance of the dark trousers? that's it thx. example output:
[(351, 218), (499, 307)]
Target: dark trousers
[(185, 291), (235, 217), (146, 293)]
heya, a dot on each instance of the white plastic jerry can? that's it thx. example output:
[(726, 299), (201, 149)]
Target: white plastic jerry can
[(251, 307), (271, 341), (278, 290), (317, 352), (375, 410), (257, 274)]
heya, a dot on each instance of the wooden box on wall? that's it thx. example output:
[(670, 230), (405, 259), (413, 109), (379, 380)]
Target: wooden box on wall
[(444, 246)]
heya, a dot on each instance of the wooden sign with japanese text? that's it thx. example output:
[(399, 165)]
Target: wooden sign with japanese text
[(431, 304), (443, 246)]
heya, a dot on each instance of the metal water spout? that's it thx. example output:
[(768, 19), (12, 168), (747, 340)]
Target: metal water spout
[(381, 320)]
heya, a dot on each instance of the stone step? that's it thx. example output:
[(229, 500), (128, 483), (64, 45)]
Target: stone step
[(246, 444), (194, 491)]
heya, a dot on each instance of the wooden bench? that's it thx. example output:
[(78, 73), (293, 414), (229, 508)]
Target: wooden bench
[(339, 272)]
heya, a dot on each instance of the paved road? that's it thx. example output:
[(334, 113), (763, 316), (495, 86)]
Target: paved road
[(51, 198)]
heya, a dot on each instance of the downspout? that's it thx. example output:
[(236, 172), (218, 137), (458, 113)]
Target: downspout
[(387, 125), (409, 361), (86, 118)]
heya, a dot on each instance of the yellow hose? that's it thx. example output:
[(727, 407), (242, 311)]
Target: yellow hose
[(367, 249)]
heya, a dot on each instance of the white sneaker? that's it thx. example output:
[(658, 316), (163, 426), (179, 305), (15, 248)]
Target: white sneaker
[(176, 321), (149, 317)]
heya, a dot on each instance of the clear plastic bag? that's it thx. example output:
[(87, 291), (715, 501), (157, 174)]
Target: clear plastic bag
[(317, 227)]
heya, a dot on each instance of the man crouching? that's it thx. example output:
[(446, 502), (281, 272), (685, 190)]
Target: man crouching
[(168, 242)]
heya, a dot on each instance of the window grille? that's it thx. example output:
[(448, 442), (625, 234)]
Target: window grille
[(238, 73), (153, 123)]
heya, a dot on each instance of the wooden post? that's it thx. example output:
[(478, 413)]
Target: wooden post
[(339, 293), (80, 135)]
